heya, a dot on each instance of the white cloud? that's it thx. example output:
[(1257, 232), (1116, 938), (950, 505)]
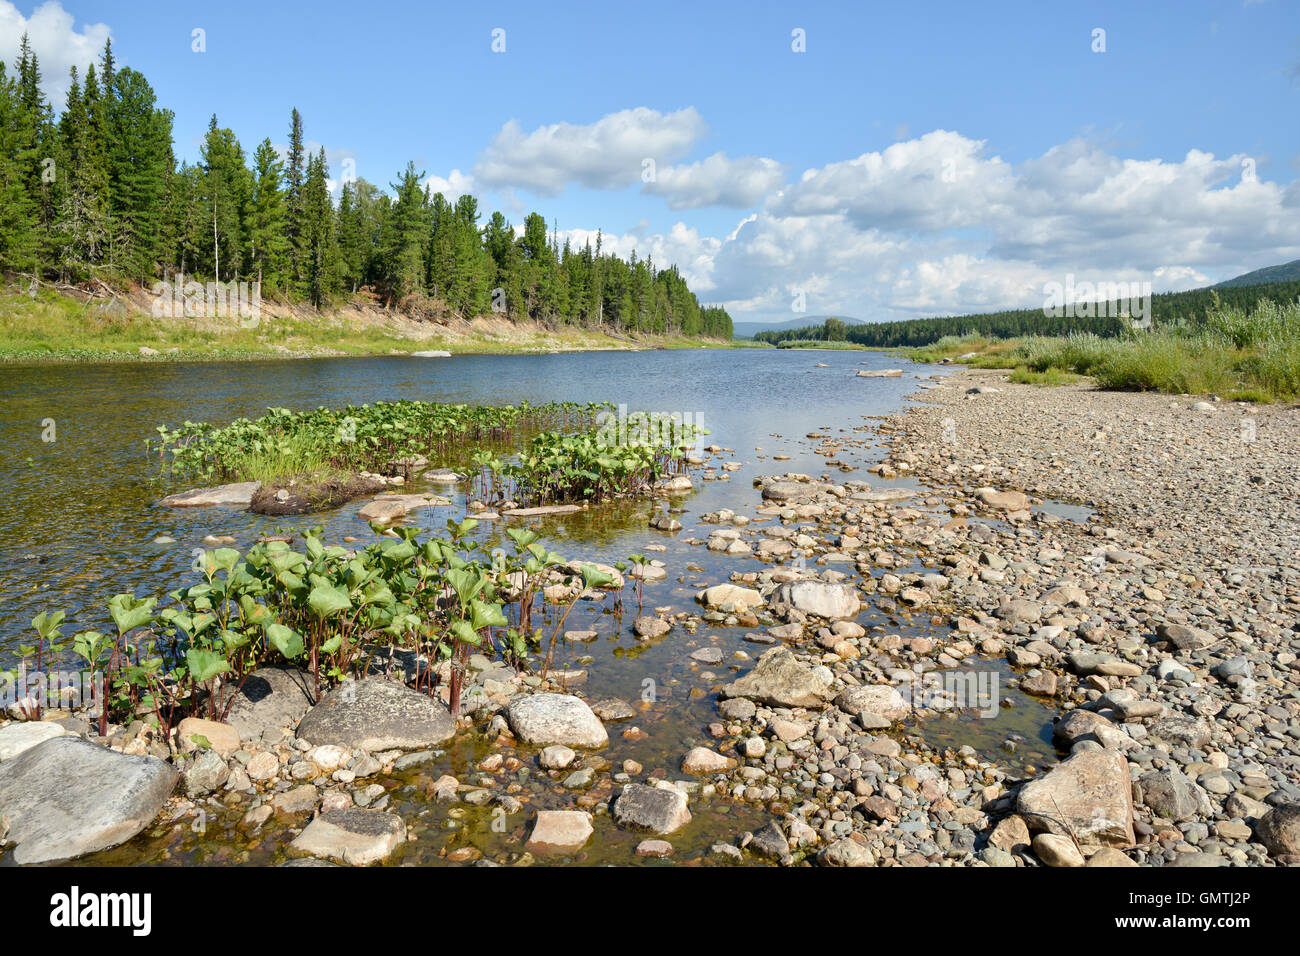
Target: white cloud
[(888, 235), (717, 181), (607, 154), (455, 185), (58, 45)]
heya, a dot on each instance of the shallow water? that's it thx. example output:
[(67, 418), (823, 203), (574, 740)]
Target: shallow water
[(79, 522)]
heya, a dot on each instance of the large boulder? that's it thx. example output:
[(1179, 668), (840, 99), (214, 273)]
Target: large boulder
[(1087, 796), (1173, 795), (352, 835), (377, 714), (560, 831), (657, 809), (545, 719), (270, 701), (731, 596), (834, 602), (19, 737), (238, 494), (67, 797), (780, 680), (876, 705), (1279, 830)]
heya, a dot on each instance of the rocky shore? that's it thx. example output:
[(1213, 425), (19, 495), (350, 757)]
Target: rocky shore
[(1131, 560)]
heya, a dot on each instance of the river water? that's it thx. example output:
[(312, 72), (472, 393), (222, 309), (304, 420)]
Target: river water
[(80, 522)]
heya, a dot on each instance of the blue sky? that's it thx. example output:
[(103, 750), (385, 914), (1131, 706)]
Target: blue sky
[(915, 159)]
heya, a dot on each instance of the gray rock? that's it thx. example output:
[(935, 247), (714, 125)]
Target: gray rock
[(237, 494), (207, 773), (657, 809), (1183, 637), (357, 837), (545, 719), (780, 680), (770, 843), (786, 490), (67, 797), (834, 602), (1180, 731), (375, 714), (1173, 795), (19, 737), (270, 701), (1279, 830)]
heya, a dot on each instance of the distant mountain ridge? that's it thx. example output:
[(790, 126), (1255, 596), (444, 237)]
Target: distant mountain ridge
[(1286, 272)]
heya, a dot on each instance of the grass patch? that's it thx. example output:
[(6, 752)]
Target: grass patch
[(1051, 376), (1248, 355)]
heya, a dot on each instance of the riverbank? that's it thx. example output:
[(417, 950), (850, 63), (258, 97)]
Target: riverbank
[(1165, 625), (54, 327)]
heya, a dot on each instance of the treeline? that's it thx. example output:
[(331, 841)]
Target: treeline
[(95, 193), (1167, 309)]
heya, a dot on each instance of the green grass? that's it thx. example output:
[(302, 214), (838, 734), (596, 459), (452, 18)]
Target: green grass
[(53, 327), (1244, 355), (1052, 376)]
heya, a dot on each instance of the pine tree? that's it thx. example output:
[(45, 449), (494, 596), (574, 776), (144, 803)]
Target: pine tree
[(408, 235), (268, 244), (228, 192), (319, 247), (295, 215), (18, 217), (138, 154)]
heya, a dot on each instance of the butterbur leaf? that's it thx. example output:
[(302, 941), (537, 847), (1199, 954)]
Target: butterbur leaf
[(285, 640), (326, 600), (487, 615), (465, 633), (129, 613), (222, 559), (205, 664), (593, 577)]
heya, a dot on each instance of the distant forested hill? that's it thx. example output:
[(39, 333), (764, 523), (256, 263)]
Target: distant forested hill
[(1286, 272), (1166, 308)]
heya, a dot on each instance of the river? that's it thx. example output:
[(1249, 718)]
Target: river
[(80, 521)]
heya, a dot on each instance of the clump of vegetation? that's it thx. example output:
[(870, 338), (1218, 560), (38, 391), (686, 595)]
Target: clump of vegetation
[(372, 437), (324, 608), (592, 466), (567, 458)]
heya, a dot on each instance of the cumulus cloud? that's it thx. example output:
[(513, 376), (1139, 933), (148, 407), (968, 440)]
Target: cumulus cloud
[(58, 45), (453, 186), (937, 226), (717, 181), (607, 154)]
